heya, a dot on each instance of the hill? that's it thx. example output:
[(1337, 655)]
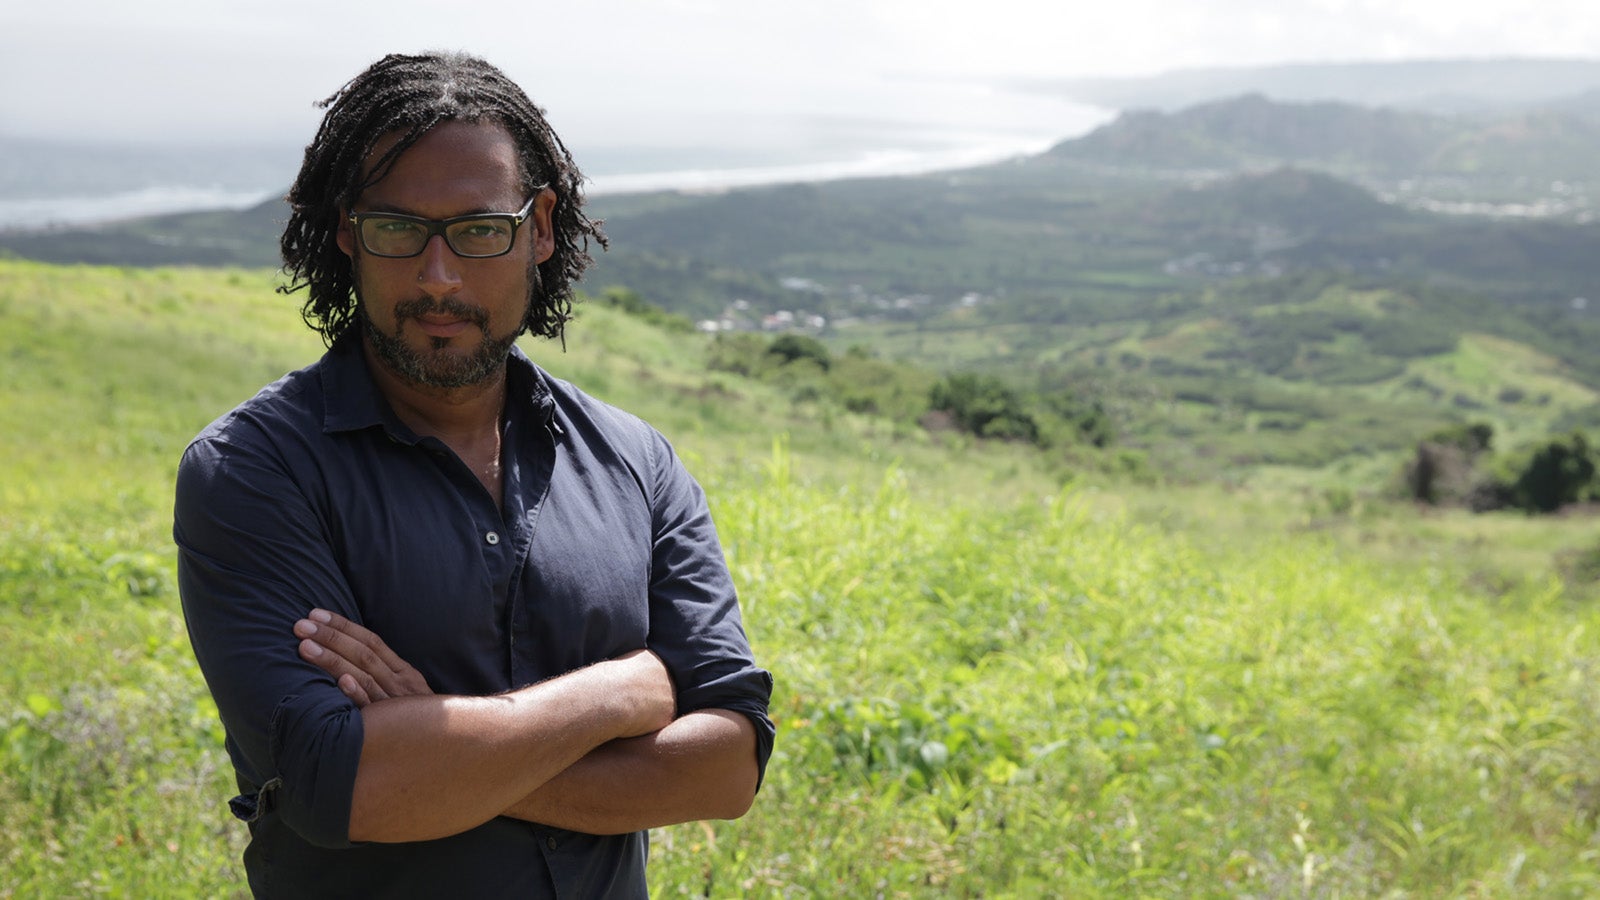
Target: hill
[(987, 682), (1381, 144), (1253, 131), (1246, 283), (221, 237), (1439, 86)]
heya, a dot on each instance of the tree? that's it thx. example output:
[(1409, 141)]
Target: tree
[(1560, 472), (791, 347), (1444, 467), (984, 406)]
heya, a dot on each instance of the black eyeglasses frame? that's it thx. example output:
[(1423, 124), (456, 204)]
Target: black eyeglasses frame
[(439, 226)]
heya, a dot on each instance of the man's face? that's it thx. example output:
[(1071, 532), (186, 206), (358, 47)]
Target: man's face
[(438, 319)]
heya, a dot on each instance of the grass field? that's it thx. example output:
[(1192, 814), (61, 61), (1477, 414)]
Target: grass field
[(990, 682)]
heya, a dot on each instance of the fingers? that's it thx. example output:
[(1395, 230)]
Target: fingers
[(366, 669), (359, 686), (370, 652), (352, 688)]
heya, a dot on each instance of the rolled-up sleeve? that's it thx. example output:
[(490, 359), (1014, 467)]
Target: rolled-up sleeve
[(253, 557), (695, 625)]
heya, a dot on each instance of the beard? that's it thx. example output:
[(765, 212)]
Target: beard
[(439, 366)]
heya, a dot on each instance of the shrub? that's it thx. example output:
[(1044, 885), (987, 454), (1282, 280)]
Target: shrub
[(791, 347), (1444, 468), (984, 406), (741, 353), (1560, 472), (634, 305)]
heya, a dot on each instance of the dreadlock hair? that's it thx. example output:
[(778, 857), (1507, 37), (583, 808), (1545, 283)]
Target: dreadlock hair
[(410, 95)]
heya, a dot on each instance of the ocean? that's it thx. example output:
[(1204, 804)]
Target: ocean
[(53, 184)]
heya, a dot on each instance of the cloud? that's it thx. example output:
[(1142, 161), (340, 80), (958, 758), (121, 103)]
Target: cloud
[(251, 70)]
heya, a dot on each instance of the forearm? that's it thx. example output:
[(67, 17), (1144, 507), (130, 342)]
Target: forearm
[(433, 766), (702, 766)]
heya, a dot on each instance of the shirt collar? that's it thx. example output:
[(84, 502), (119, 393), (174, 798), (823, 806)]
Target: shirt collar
[(528, 388), (352, 401)]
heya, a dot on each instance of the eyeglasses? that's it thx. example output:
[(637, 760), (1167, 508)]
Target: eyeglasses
[(476, 236)]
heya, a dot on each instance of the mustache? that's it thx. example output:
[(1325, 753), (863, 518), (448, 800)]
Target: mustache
[(422, 306)]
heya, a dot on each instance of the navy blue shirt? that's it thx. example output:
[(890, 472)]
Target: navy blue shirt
[(314, 494)]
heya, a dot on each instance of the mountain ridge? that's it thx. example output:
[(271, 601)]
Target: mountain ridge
[(1290, 283), (1452, 86), (1255, 130)]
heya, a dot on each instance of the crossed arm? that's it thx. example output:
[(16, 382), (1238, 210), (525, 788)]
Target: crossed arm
[(596, 750)]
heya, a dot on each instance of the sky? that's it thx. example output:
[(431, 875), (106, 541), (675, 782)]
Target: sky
[(696, 75)]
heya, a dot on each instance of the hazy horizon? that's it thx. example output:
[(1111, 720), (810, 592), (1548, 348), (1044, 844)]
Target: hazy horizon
[(698, 94), (58, 182), (618, 72)]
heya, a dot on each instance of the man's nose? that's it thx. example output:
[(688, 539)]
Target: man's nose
[(441, 268)]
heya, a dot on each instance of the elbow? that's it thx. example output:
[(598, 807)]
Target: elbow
[(366, 828), (737, 808), (741, 769), (739, 795)]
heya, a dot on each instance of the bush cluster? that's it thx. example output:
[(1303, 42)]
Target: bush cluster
[(984, 406), (1456, 467), (980, 405), (634, 305)]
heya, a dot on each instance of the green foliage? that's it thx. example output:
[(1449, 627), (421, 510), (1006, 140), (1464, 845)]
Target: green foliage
[(1472, 439), (1560, 472), (871, 386), (633, 304), (791, 347), (888, 745), (1149, 714), (741, 352), (1448, 469), (984, 406), (987, 685), (1581, 569), (1089, 420), (1296, 286), (111, 758), (855, 381), (1444, 469)]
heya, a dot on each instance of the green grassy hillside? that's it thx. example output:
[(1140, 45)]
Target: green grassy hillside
[(990, 683), (1203, 276), (1336, 379)]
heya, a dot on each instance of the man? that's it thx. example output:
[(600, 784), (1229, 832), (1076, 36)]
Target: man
[(470, 631)]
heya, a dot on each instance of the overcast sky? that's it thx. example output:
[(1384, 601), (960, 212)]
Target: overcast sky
[(614, 72)]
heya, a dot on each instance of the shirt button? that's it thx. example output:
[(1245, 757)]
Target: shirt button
[(492, 537), (550, 842)]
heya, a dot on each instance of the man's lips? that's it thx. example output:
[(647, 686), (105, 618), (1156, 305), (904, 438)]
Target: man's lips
[(442, 326)]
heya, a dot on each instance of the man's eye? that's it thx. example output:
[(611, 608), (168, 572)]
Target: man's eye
[(482, 229), (395, 226)]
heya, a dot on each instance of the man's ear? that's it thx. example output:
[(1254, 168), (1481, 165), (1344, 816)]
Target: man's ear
[(345, 235), (541, 218)]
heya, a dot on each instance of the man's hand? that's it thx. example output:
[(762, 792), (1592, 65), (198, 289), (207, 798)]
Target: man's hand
[(366, 669), (671, 770)]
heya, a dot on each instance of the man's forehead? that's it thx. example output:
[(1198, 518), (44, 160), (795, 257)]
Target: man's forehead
[(474, 156), (462, 135)]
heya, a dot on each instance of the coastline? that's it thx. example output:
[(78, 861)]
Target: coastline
[(80, 208)]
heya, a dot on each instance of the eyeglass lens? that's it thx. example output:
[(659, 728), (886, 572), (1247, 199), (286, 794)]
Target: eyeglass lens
[(393, 236)]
